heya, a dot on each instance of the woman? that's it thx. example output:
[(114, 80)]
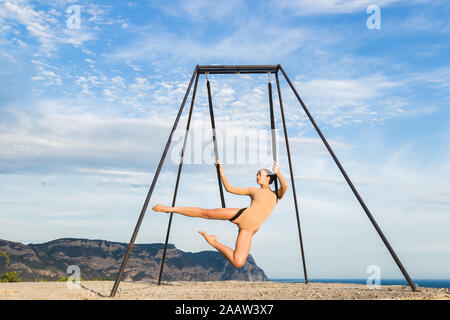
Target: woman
[(263, 201)]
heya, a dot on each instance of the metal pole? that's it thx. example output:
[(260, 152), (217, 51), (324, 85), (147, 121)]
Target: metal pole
[(178, 179), (147, 200), (363, 205), (216, 153), (292, 178), (272, 129)]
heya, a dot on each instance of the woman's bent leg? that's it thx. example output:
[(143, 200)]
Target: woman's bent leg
[(238, 257)]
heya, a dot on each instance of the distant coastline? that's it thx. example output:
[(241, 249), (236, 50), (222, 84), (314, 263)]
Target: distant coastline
[(429, 283)]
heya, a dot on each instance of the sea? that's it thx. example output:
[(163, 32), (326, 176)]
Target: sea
[(429, 283)]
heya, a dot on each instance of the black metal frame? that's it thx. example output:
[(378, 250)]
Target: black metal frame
[(255, 69), (237, 69)]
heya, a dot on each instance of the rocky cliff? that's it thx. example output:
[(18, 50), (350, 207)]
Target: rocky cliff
[(102, 259)]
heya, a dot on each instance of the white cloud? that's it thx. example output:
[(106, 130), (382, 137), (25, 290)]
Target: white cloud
[(438, 78), (119, 81), (37, 23), (77, 37), (110, 96), (87, 82), (8, 56), (346, 101), (97, 13), (60, 138), (47, 74), (49, 77), (317, 7), (256, 39), (44, 26), (202, 9), (140, 84)]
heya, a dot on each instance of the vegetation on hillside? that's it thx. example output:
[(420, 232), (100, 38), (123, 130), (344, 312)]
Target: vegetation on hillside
[(8, 276)]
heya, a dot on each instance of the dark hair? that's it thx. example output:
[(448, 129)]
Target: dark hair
[(270, 174)]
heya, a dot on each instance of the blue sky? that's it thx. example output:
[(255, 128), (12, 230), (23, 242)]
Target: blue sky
[(85, 114)]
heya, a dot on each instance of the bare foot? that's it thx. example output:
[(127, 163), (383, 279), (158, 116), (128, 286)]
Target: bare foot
[(209, 238), (161, 208)]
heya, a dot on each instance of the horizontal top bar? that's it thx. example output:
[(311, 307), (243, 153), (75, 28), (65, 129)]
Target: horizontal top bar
[(237, 69)]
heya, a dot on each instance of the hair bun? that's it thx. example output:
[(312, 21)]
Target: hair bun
[(270, 174)]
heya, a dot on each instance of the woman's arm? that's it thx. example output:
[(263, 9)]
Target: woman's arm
[(283, 183), (227, 184)]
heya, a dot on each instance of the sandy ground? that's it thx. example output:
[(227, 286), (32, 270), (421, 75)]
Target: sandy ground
[(214, 290)]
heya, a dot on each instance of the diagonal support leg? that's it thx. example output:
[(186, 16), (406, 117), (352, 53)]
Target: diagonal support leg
[(178, 180), (355, 192), (155, 178), (292, 179)]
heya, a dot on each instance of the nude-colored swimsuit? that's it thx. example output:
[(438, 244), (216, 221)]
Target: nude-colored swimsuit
[(260, 209)]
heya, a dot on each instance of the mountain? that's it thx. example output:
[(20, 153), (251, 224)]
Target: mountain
[(102, 259)]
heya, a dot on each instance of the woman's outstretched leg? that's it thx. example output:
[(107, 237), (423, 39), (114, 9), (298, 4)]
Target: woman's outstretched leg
[(238, 257), (196, 212)]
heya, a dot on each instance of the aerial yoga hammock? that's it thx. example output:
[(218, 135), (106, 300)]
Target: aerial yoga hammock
[(248, 220)]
